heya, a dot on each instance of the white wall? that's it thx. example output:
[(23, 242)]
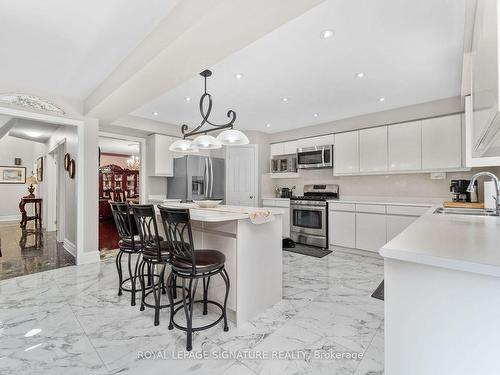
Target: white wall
[(10, 148)]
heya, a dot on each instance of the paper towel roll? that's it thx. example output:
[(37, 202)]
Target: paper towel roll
[(489, 193)]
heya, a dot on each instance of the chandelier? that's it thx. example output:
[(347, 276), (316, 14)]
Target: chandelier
[(133, 163), (229, 137)]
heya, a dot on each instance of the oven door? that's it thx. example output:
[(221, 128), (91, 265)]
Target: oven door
[(308, 219), (315, 157)]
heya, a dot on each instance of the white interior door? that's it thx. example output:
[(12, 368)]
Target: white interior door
[(242, 178), (56, 190), (61, 193)]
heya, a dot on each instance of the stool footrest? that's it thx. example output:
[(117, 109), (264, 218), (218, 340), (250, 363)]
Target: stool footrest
[(195, 329)]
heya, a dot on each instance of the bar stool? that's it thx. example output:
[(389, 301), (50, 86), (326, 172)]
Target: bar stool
[(190, 264), (155, 255), (129, 244)]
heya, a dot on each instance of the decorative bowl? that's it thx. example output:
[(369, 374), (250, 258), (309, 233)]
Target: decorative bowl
[(208, 203)]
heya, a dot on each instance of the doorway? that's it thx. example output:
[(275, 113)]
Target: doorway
[(242, 186), (120, 180), (33, 236)]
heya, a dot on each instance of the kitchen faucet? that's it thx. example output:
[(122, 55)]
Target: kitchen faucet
[(494, 178)]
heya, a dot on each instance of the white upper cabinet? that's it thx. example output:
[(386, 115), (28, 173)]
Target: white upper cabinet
[(373, 149), (160, 160), (290, 147), (405, 146), (277, 149), (323, 140), (346, 153), (442, 143)]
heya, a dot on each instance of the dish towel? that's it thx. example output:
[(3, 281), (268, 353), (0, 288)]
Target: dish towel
[(261, 216)]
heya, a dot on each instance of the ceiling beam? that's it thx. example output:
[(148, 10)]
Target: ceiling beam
[(194, 36), (6, 123)]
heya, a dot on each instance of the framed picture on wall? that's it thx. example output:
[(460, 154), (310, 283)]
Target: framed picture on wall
[(12, 175), (39, 169)]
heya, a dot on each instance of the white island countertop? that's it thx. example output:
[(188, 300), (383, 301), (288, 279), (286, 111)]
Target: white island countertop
[(221, 212), (459, 242)]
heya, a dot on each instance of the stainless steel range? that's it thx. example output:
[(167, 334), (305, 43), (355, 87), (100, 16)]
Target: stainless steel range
[(309, 215)]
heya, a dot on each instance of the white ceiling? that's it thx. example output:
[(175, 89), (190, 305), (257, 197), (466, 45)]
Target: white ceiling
[(410, 51), (32, 130), (118, 146), (68, 48)]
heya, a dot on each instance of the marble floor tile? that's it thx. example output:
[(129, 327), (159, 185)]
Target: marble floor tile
[(30, 250), (326, 308)]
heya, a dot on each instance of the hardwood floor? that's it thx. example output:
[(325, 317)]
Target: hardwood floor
[(108, 235)]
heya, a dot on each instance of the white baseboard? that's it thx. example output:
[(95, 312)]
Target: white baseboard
[(70, 247), (88, 257), (84, 257), (10, 218)]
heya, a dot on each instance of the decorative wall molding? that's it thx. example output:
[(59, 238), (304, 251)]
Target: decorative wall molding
[(30, 101)]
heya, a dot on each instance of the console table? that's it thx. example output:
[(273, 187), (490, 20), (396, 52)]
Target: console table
[(37, 202)]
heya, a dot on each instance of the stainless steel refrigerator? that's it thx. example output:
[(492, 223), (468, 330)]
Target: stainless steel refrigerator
[(196, 178)]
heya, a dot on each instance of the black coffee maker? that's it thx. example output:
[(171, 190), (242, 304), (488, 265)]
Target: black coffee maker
[(458, 190)]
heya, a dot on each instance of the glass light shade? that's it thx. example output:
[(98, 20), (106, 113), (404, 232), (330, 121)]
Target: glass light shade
[(206, 142), (233, 137), (184, 146)]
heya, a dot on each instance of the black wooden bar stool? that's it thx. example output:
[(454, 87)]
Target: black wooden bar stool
[(192, 265), (129, 244), (156, 256)]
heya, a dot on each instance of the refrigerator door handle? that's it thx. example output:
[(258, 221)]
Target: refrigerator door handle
[(211, 178), (205, 180)]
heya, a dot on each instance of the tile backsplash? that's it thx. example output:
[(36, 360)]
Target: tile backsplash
[(393, 185)]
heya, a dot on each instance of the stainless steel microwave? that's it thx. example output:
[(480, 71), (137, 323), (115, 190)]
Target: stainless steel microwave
[(315, 157), (284, 164)]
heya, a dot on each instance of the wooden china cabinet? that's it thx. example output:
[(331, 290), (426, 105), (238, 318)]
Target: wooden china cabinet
[(117, 184)]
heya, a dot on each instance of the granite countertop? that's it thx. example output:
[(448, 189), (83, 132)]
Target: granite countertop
[(459, 242)]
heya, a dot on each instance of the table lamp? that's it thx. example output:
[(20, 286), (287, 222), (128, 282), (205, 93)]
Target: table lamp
[(31, 181)]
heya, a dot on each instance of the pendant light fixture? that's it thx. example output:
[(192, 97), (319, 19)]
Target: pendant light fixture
[(229, 137), (232, 137), (183, 146)]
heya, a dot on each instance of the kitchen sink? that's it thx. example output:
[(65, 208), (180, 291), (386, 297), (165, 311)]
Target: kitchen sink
[(466, 211)]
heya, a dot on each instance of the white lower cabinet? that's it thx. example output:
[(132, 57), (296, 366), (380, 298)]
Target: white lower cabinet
[(285, 205), (368, 226), (342, 228), (397, 224), (370, 231)]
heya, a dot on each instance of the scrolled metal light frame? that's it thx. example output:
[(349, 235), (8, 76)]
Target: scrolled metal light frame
[(205, 114)]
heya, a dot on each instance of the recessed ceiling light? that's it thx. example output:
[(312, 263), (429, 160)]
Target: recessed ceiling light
[(315, 115), (238, 76), (187, 99), (268, 125), (325, 34), (32, 133), (381, 99), (360, 75), (284, 99), (155, 113)]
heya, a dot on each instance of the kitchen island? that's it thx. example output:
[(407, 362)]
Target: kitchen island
[(442, 296), (253, 256)]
